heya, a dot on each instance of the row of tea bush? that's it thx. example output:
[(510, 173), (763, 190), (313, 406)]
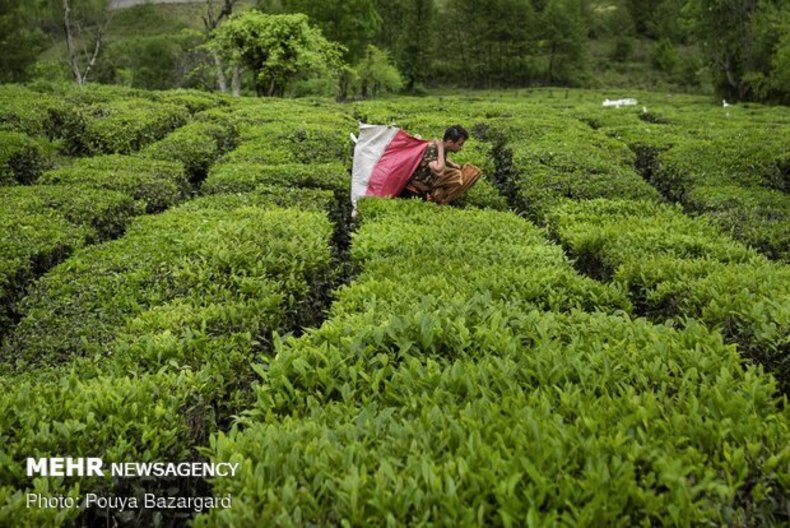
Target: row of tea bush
[(469, 376)]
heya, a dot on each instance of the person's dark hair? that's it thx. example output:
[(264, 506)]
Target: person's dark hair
[(454, 133)]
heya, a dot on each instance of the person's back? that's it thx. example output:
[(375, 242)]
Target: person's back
[(437, 178)]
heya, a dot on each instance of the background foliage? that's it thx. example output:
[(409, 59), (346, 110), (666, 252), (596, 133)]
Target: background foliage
[(739, 49)]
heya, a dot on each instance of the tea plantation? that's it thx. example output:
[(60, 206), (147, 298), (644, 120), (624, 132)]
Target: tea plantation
[(598, 334)]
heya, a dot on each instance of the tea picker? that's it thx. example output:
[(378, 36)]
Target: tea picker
[(389, 162)]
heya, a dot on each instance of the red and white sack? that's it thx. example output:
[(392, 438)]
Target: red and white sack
[(385, 157)]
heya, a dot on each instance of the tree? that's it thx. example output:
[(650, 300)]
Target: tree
[(417, 42), (670, 22), (411, 31), (564, 40), (211, 20), (353, 23), (770, 61), (487, 43), (85, 27), (724, 30), (278, 49), (376, 74), (153, 62), (643, 14), (780, 70), (20, 40)]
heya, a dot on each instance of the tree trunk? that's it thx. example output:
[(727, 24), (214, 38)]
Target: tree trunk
[(75, 67), (210, 22), (79, 77), (95, 55), (235, 81), (222, 82)]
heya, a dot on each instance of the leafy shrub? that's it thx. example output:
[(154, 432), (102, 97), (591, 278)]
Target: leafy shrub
[(746, 302), (458, 251), (148, 418), (121, 126), (440, 399), (601, 234), (725, 179), (107, 213), (729, 158), (25, 111), (200, 256), (22, 158), (194, 101), (182, 304), (367, 429), (41, 225), (779, 176), (754, 215), (241, 177), (157, 184), (196, 145), (279, 143), (252, 113), (558, 166), (484, 195), (267, 196), (31, 243), (675, 267)]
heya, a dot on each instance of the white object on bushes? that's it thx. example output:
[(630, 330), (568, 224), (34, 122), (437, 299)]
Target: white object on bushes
[(617, 103)]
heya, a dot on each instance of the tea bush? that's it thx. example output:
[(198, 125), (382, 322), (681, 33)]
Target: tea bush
[(432, 398), (196, 145), (74, 94), (292, 142), (156, 184), (193, 100), (480, 250), (757, 216), (107, 213), (305, 199), (601, 234), (734, 177), (676, 267), (27, 112), (241, 177), (151, 417), (22, 158), (177, 310), (321, 112), (749, 303), (569, 427), (467, 374), (577, 165), (118, 127), (42, 225), (78, 308), (31, 243), (483, 195)]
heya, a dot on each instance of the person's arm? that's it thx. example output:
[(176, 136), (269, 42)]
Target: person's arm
[(437, 166)]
